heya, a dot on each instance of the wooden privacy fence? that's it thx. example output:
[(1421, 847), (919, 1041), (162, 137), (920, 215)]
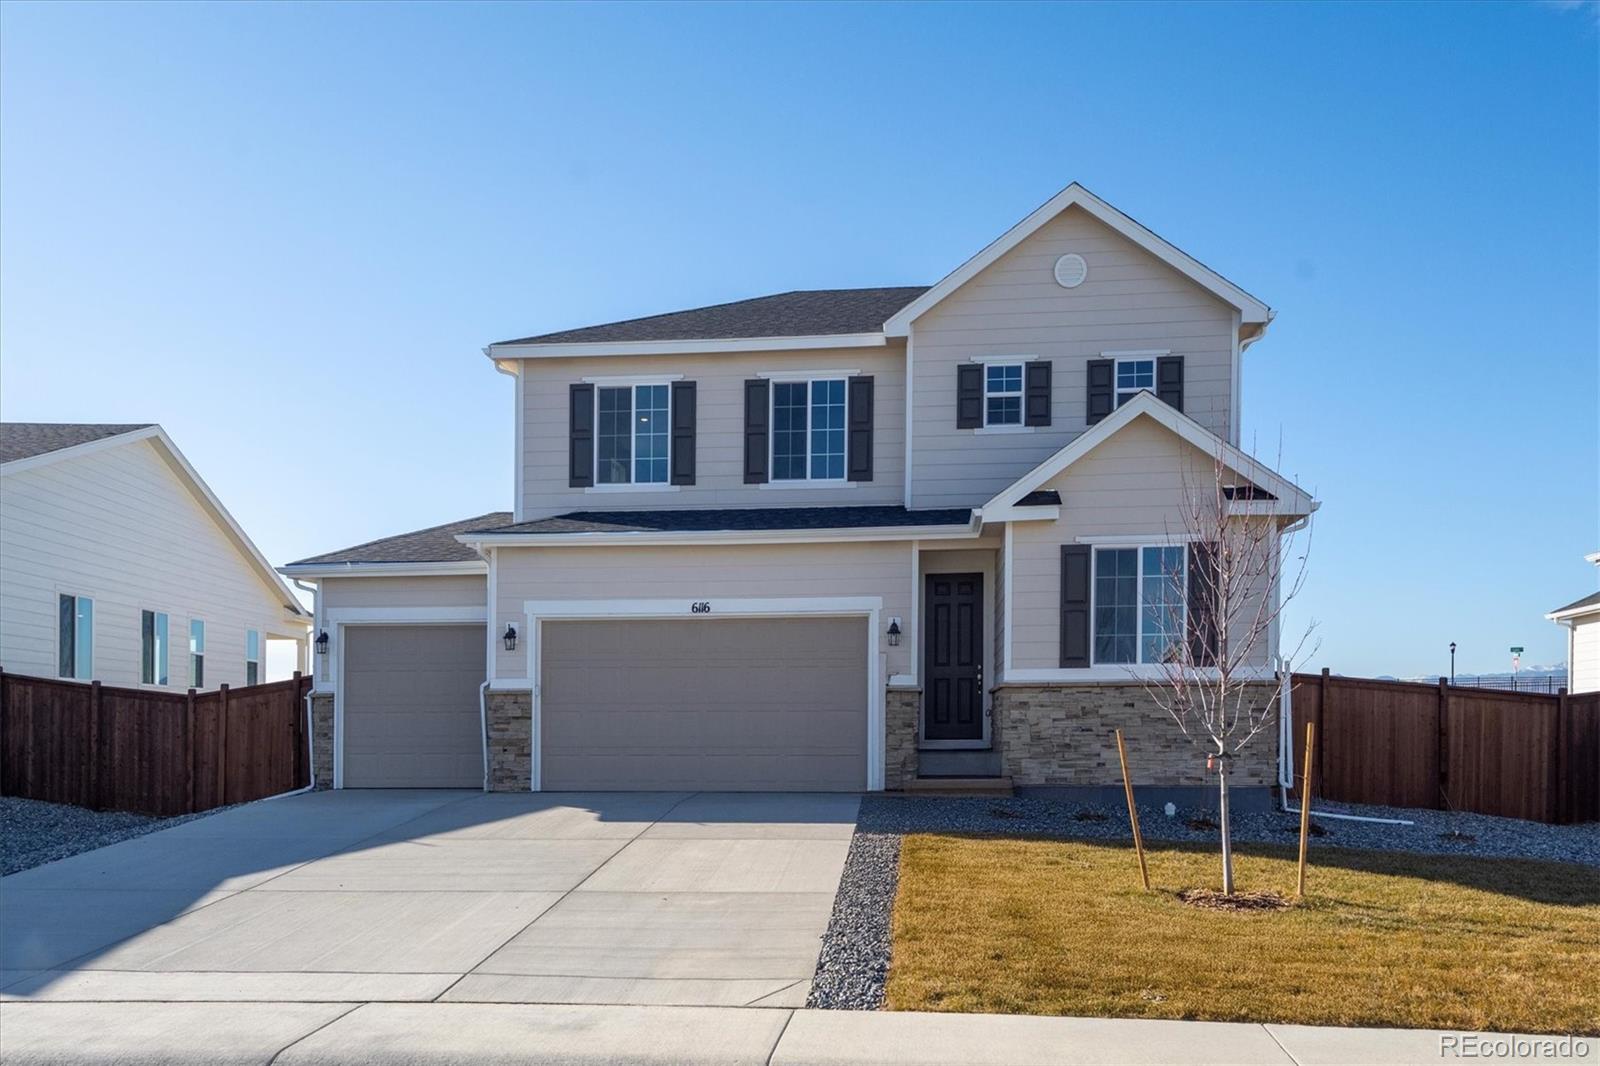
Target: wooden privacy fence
[(153, 752), (1401, 744)]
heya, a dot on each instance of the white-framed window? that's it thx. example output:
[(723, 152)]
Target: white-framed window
[(633, 438), (252, 657), (808, 438), (75, 637), (1139, 603), (1134, 375), (154, 644), (1002, 394), (197, 653)]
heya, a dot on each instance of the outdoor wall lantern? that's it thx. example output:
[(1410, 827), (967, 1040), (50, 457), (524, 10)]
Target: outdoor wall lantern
[(894, 632), (322, 642), (510, 637)]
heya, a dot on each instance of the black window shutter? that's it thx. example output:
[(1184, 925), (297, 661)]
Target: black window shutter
[(756, 408), (1075, 605), (969, 396), (67, 628), (1202, 604), (1102, 391), (1036, 393), (1169, 380), (580, 437), (858, 441), (683, 420)]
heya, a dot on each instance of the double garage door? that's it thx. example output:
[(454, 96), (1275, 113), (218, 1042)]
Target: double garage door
[(722, 704)]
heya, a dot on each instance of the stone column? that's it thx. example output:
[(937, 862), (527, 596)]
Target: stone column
[(510, 741), (322, 739), (900, 709)]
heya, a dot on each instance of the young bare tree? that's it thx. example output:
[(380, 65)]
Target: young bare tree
[(1244, 565)]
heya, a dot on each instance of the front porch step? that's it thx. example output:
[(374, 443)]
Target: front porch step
[(958, 762), (960, 786)]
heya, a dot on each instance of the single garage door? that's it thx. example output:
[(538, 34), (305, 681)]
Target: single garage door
[(410, 706), (728, 704)]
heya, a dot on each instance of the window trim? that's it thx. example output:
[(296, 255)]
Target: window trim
[(810, 382), (197, 670), (1126, 544), (1020, 394), (248, 661), (80, 670), (161, 665), (1134, 355), (633, 385)]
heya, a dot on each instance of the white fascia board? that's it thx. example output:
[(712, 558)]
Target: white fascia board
[(1251, 310), (727, 537), (1574, 613), (1291, 498), (1046, 513), (441, 569), (685, 347), (192, 481)]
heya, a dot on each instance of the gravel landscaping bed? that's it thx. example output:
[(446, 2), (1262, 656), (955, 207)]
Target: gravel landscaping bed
[(854, 963), (33, 833)]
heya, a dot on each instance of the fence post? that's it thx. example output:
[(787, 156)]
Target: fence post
[(94, 745), (1444, 741), (1322, 711), (222, 746), (297, 706), (188, 730), (1561, 809)]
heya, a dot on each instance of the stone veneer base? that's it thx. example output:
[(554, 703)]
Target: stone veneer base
[(510, 724)]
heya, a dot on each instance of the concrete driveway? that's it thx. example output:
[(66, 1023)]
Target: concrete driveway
[(605, 898)]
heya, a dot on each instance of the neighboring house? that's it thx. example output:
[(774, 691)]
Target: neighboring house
[(119, 565), (1582, 619), (838, 539)]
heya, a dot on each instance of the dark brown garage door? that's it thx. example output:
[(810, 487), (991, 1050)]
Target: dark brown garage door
[(410, 704), (729, 704)]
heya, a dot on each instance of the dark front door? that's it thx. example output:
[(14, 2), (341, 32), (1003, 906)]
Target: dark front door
[(952, 657)]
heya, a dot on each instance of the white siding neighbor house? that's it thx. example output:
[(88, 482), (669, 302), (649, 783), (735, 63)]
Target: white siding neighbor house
[(1582, 621), (118, 565), (837, 539)]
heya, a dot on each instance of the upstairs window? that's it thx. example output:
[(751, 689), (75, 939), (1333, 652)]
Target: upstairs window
[(252, 657), (1002, 394), (153, 648), (75, 637), (1139, 603), (808, 430), (1134, 375), (197, 653), (632, 435)]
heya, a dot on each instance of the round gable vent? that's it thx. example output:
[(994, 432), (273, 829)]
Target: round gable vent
[(1071, 270)]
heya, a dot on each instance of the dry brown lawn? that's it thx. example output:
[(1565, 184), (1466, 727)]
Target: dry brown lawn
[(1028, 926)]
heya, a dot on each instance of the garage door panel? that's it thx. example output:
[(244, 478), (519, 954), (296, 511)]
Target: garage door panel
[(747, 704), (410, 706)]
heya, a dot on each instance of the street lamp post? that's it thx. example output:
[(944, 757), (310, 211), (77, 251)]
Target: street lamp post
[(1452, 662)]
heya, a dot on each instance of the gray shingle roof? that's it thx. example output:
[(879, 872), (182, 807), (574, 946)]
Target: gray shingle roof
[(808, 313), (1587, 601), (23, 440), (735, 519), (436, 544)]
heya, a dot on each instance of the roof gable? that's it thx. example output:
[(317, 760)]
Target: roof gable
[(91, 443), (1251, 310), (25, 440), (1282, 497)]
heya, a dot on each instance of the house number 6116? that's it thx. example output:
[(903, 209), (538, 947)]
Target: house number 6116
[(700, 607)]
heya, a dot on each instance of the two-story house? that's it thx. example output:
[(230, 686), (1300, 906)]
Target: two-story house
[(831, 540)]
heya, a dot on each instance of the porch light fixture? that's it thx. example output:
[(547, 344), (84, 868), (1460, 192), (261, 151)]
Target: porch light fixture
[(322, 642), (894, 632), (510, 637)]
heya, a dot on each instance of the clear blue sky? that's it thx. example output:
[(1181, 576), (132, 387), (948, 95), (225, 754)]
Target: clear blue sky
[(285, 232)]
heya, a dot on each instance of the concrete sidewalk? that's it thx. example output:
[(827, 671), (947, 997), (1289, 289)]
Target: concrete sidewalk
[(423, 1034)]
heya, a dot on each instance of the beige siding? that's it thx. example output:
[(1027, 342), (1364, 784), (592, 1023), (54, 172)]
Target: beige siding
[(1130, 301), (719, 480), (467, 590), (1132, 484), (117, 525), (1585, 665), (704, 573)]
